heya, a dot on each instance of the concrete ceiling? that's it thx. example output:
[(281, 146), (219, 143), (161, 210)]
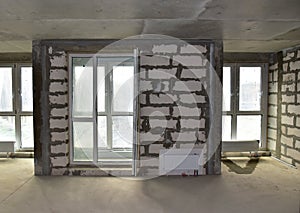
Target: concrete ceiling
[(244, 25)]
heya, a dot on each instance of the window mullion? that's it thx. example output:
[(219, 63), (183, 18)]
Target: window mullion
[(95, 110), (108, 81)]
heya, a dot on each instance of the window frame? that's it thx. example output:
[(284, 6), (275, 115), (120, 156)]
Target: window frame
[(234, 105), (108, 103), (17, 112)]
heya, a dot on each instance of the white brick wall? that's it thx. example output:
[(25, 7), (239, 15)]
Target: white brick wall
[(155, 111), (188, 60), (187, 86), (191, 98), (171, 48)]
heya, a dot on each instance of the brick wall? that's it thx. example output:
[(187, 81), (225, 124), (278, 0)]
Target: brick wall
[(174, 103), (173, 100), (284, 92)]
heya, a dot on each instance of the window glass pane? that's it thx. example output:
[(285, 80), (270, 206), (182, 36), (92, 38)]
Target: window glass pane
[(226, 127), (6, 89), (7, 128), (101, 88), (226, 88), (102, 132), (83, 141), (27, 131), (123, 88), (250, 89), (248, 127), (26, 89), (82, 87), (122, 131)]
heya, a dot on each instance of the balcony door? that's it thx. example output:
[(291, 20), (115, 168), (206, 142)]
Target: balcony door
[(245, 102), (16, 105)]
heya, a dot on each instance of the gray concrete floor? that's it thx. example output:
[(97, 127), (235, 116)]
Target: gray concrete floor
[(244, 186)]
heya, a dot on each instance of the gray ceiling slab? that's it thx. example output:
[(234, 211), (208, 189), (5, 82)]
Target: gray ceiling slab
[(100, 9), (264, 10), (245, 26)]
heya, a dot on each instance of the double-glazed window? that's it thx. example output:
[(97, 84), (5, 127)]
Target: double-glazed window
[(102, 91), (16, 105), (244, 102)]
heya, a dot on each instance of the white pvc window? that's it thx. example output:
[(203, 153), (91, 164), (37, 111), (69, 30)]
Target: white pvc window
[(102, 108), (244, 102), (16, 105)]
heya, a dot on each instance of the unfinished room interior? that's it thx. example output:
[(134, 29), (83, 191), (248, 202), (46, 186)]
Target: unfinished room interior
[(149, 106)]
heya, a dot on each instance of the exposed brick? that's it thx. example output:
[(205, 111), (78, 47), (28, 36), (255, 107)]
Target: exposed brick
[(286, 159), (283, 150), (293, 153), (142, 98), (192, 123), (193, 73), (272, 110), (149, 137), (58, 61), (58, 123), (295, 109), (297, 144), (190, 136), (61, 148), (272, 133), (59, 136), (188, 60), (287, 140), (155, 111), (156, 60), (187, 86), (163, 99), (271, 144), (145, 86), (298, 121), (58, 74), (285, 67), (295, 65), (293, 131), (163, 123), (59, 161), (59, 112), (162, 48), (162, 73), (191, 98), (273, 87), (283, 129), (290, 88), (186, 111), (273, 99), (283, 108), (58, 99), (289, 56), (58, 87), (289, 120), (198, 49), (272, 122), (290, 77), (288, 98)]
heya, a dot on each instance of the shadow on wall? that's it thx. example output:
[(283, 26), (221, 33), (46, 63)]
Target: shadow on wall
[(234, 167)]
